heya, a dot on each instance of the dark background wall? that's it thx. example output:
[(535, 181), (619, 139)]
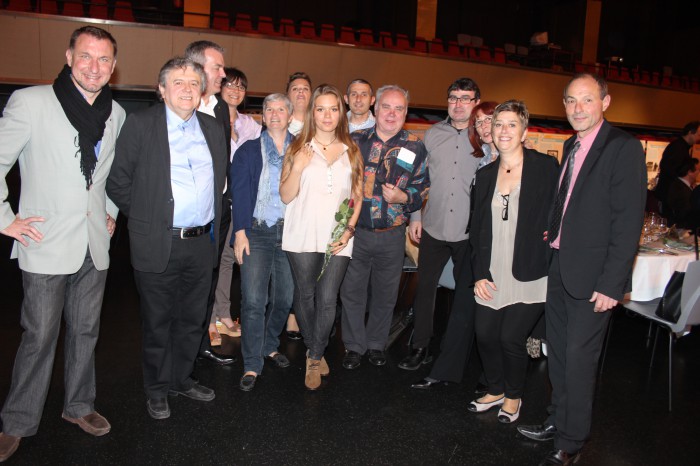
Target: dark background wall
[(647, 33)]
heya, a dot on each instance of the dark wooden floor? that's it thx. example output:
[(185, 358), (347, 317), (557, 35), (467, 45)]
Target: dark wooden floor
[(366, 416)]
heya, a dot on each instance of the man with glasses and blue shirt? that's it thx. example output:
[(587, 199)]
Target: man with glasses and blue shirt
[(441, 228)]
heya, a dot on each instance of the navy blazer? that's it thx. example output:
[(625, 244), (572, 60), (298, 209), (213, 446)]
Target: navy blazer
[(244, 181), (140, 185), (537, 190), (603, 219)]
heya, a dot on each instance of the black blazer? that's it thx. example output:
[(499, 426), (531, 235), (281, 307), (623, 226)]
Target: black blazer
[(603, 220), (537, 191), (139, 183)]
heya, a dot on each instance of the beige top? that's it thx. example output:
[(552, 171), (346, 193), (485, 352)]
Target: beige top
[(510, 290), (309, 218)]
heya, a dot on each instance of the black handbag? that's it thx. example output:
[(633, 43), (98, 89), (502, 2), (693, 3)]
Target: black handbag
[(670, 305)]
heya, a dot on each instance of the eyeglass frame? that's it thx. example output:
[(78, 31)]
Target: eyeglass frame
[(465, 99), (480, 123), (506, 201), (238, 87)]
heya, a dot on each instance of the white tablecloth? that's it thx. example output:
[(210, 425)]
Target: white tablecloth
[(652, 272)]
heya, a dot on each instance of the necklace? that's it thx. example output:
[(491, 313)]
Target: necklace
[(511, 168), (325, 146)]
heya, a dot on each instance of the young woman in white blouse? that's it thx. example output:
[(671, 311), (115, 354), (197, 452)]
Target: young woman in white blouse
[(322, 168)]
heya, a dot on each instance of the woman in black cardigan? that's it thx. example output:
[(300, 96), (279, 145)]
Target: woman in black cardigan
[(512, 198)]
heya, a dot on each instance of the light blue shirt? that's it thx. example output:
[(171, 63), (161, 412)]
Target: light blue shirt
[(191, 172)]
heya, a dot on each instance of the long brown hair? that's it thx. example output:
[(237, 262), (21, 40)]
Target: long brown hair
[(341, 132), (487, 107)]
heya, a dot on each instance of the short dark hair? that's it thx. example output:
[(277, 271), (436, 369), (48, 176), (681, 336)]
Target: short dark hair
[(195, 51), (687, 166), (359, 81), (298, 75), (233, 75), (465, 84), (602, 83), (690, 128), (97, 33)]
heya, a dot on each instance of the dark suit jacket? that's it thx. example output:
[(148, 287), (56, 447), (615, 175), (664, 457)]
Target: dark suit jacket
[(603, 220), (139, 184), (245, 180), (678, 207), (537, 188)]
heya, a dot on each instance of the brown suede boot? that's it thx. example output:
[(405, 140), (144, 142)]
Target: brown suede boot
[(313, 374), (324, 370)]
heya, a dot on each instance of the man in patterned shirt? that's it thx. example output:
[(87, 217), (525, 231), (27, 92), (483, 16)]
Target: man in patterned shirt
[(395, 184)]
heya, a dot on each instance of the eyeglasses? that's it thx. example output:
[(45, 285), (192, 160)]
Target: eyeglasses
[(504, 214), (480, 123), (237, 87), (465, 99)]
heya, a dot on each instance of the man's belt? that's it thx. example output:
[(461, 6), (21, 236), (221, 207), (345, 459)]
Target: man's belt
[(192, 232)]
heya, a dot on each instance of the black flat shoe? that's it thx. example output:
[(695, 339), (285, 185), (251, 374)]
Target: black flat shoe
[(158, 408), (217, 358), (376, 357), (560, 457), (425, 384), (196, 392), (541, 433), (279, 360), (351, 360), (417, 358), (293, 335), (247, 382)]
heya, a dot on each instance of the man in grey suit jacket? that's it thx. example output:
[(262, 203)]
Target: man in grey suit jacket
[(168, 178), (63, 137), (594, 232)]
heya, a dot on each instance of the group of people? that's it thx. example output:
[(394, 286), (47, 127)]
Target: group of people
[(312, 206)]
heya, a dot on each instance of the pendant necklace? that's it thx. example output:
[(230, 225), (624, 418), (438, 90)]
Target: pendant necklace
[(325, 146)]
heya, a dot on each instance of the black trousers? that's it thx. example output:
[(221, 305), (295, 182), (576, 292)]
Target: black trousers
[(501, 335), (459, 337), (434, 254), (173, 305), (205, 342), (575, 337)]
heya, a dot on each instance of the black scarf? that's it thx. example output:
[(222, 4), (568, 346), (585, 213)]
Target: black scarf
[(88, 119)]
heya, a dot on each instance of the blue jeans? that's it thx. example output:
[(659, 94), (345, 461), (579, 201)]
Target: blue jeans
[(267, 288), (315, 300)]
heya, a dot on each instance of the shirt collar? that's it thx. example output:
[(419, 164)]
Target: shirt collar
[(174, 120), (587, 140), (208, 108)]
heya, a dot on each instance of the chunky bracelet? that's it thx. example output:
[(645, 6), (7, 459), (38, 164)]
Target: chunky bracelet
[(351, 229)]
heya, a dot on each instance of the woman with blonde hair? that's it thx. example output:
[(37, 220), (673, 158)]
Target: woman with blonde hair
[(323, 167)]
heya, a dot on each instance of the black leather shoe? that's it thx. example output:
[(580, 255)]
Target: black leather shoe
[(540, 432), (480, 390), (417, 358), (196, 392), (217, 358), (158, 408), (376, 357), (279, 360), (425, 384), (247, 382), (560, 457), (351, 360), (292, 335)]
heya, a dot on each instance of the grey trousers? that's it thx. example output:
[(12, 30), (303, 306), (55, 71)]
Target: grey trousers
[(373, 275), (78, 298)]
